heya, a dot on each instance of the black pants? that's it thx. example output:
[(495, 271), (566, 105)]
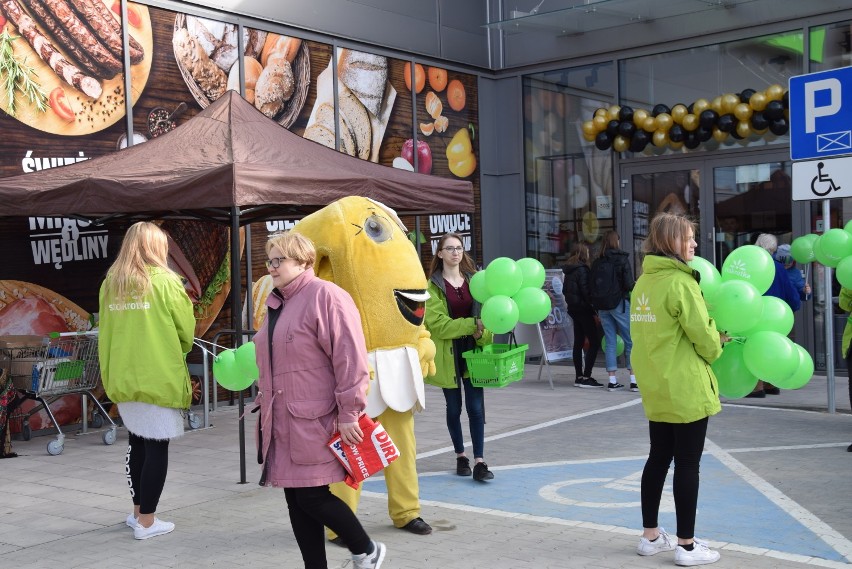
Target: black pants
[(314, 508), (585, 327), (683, 442), (146, 465)]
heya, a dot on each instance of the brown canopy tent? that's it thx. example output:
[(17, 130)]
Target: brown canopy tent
[(229, 164)]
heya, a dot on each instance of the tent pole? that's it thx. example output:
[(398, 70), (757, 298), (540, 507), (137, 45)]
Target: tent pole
[(236, 323)]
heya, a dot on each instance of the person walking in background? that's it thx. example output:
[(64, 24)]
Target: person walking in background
[(845, 303), (146, 329), (312, 358), (782, 288), (783, 256), (576, 291), (676, 341), (452, 318), (611, 281)]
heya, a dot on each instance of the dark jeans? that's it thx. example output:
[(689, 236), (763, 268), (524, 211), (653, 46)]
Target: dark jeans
[(585, 327), (683, 442), (146, 465), (474, 403), (314, 508)]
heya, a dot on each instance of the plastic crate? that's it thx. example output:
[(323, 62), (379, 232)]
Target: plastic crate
[(496, 365)]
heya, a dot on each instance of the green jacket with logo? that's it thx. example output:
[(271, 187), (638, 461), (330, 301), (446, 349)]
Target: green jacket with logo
[(674, 343), (447, 332), (142, 344), (845, 302)]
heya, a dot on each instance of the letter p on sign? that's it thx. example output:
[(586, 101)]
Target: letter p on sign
[(812, 111)]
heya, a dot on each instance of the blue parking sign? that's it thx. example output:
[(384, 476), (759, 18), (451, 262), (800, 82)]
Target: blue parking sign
[(821, 114)]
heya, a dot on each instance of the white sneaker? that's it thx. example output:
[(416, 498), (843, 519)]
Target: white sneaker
[(131, 520), (159, 527), (662, 543), (700, 555), (370, 560)]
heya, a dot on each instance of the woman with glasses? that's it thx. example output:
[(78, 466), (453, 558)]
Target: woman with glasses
[(452, 317), (312, 358)]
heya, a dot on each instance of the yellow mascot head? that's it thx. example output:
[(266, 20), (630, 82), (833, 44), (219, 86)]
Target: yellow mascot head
[(362, 247)]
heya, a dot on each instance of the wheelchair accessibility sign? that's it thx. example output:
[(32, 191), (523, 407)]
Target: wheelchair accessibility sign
[(822, 179)]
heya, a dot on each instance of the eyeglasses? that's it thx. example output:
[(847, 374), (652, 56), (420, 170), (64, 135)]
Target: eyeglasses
[(275, 262), (454, 249)]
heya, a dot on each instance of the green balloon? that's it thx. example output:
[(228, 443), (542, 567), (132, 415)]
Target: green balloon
[(503, 277), (803, 373), (735, 379), (619, 344), (775, 317), (246, 359), (478, 288), (751, 264), (802, 248), (821, 256), (836, 244), (736, 307), (844, 272), (499, 314), (533, 304), (710, 277), (532, 271), (771, 356), (227, 373)]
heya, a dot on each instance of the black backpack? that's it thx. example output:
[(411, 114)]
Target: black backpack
[(605, 290)]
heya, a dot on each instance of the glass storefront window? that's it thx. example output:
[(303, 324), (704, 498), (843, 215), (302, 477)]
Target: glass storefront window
[(830, 46), (568, 181)]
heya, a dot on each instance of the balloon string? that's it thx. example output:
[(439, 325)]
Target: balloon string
[(738, 339), (197, 340)]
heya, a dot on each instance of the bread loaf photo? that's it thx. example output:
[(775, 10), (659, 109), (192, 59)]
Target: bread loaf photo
[(355, 116), (274, 87), (365, 74), (206, 74)]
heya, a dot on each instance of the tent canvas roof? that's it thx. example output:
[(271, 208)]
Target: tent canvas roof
[(229, 155)]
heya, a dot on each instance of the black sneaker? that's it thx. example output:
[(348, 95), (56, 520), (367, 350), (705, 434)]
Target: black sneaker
[(592, 382), (759, 394), (772, 390), (481, 472), (418, 526), (634, 388), (614, 386), (462, 466), (849, 448)]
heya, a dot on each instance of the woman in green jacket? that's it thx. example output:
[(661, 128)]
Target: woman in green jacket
[(146, 328), (846, 304), (452, 317), (674, 342)]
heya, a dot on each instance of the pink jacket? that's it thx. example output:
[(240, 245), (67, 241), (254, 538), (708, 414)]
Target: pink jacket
[(316, 375)]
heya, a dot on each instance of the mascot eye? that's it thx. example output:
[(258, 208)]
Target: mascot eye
[(377, 229)]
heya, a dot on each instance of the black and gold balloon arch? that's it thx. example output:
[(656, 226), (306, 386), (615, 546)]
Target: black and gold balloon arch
[(738, 115)]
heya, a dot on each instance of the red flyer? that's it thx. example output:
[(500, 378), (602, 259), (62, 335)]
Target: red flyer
[(361, 461)]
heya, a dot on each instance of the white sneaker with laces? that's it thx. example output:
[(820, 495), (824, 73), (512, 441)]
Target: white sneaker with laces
[(700, 555), (131, 520), (159, 527), (370, 560), (662, 543)]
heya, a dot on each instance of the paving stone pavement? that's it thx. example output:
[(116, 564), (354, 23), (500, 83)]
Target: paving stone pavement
[(775, 492)]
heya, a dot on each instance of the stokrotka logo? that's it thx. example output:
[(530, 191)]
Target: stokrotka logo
[(641, 311), (738, 268)]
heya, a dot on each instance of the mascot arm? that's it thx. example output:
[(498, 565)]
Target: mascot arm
[(426, 352), (438, 320)]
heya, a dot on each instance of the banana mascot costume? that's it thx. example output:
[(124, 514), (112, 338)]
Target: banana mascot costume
[(363, 248)]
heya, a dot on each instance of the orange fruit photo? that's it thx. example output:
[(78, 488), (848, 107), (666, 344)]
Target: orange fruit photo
[(437, 78), (455, 95), (419, 77)]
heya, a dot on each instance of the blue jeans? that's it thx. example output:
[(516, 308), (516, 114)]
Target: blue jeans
[(616, 319), (475, 405)]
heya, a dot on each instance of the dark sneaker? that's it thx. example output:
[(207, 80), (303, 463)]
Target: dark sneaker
[(462, 466), (580, 382), (634, 388), (592, 382), (481, 472), (759, 394), (849, 448), (614, 386), (771, 390), (370, 560), (418, 526)]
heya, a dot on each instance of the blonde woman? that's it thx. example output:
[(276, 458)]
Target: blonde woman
[(146, 329)]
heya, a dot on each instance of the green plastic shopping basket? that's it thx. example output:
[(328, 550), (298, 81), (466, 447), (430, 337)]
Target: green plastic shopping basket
[(496, 365)]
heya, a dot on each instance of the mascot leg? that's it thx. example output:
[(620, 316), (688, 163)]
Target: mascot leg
[(401, 475)]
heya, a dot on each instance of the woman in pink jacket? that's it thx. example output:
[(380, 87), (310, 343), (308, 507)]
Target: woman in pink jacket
[(313, 379)]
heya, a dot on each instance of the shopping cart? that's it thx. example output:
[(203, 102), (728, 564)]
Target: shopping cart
[(57, 365)]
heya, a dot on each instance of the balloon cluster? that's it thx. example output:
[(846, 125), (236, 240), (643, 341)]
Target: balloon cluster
[(759, 324), (733, 114), (236, 370), (832, 249), (510, 291)]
